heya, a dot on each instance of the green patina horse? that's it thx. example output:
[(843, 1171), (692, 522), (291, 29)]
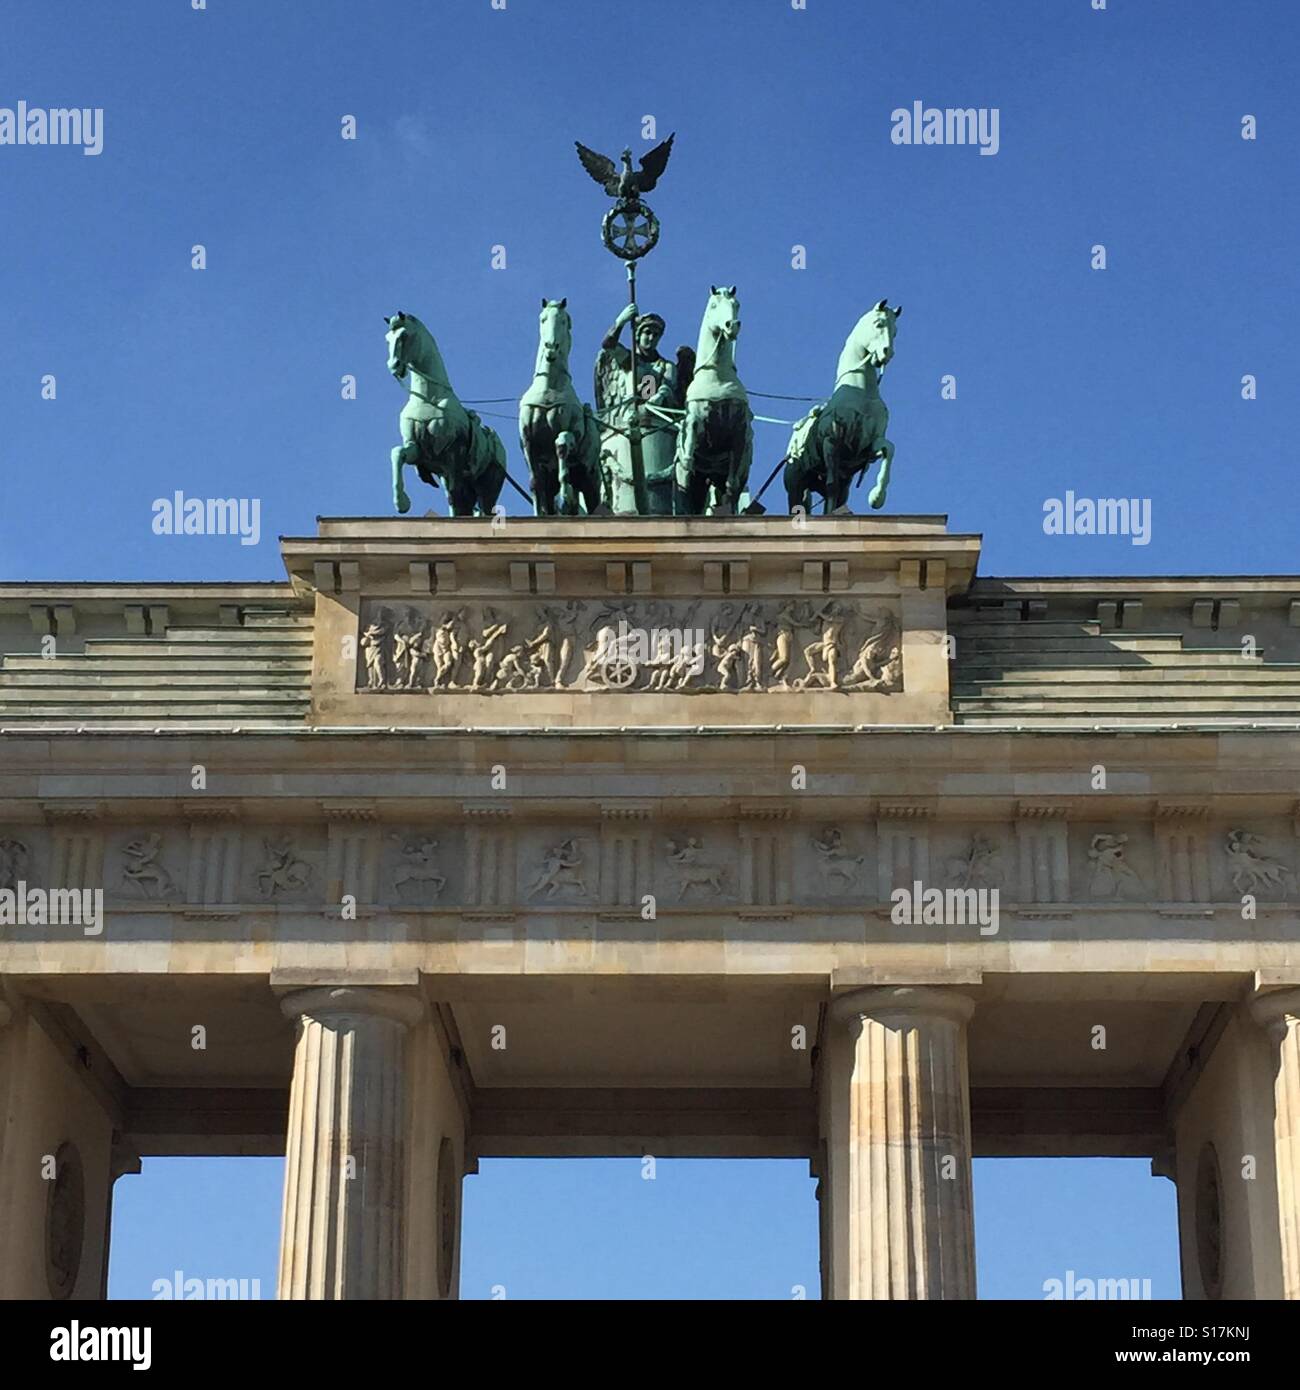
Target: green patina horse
[(440, 438), (558, 434), (715, 446), (843, 436)]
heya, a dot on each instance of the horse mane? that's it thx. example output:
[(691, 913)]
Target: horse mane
[(685, 369), (430, 354)]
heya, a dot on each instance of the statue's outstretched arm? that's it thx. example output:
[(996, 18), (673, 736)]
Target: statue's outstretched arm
[(611, 338)]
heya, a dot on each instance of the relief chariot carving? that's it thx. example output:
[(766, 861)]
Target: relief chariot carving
[(704, 646)]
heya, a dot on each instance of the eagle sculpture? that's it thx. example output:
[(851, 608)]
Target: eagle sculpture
[(624, 183)]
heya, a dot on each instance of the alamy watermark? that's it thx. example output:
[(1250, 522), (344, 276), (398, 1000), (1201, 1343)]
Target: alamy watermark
[(942, 907), (1096, 1289), (21, 906), (1098, 516), (94, 1343), (670, 653), (948, 125), (179, 515), (60, 125), (179, 1287)]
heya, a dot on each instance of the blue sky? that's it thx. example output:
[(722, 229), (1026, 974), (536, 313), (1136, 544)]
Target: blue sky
[(222, 128), (595, 1229)]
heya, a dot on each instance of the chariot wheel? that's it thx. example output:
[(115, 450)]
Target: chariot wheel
[(619, 672), (630, 230)]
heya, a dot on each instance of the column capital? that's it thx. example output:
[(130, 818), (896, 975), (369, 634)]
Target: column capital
[(903, 1001), (1271, 1009), (394, 1003)]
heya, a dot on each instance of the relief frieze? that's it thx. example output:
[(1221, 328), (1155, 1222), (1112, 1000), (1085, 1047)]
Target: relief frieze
[(722, 645)]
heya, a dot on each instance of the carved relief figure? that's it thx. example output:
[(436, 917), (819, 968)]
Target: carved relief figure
[(751, 644), (879, 662), (1110, 870), (512, 673), (977, 868), (373, 641), (418, 866), (693, 871), (1252, 870), (483, 651), (563, 624), (142, 867), (283, 871), (14, 858), (561, 868), (834, 861), (823, 655), (790, 617), (409, 637), (446, 647)]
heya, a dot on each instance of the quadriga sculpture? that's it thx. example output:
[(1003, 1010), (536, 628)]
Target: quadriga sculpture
[(843, 436), (440, 438), (558, 434), (716, 443)]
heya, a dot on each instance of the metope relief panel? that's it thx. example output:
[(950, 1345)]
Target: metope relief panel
[(697, 866), (285, 866), (1253, 857), (706, 646), (979, 858), (146, 865), (1113, 863), (423, 866), (559, 866), (831, 864), (22, 859)]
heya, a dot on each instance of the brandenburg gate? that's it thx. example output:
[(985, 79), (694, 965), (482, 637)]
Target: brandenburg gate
[(735, 835)]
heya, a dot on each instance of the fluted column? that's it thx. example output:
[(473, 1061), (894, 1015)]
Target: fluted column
[(345, 1169), (1279, 1013), (910, 1207)]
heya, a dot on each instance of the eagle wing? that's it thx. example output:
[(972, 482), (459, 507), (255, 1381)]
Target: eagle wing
[(601, 168), (653, 165)]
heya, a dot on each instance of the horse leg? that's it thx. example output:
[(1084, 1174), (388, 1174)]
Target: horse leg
[(489, 485), (792, 482), (832, 489), (460, 498), (589, 482), (739, 478), (536, 445), (546, 483), (877, 494), (564, 449), (405, 453), (687, 499)]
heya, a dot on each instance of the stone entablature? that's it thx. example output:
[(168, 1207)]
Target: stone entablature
[(841, 621), (536, 623), (709, 825)]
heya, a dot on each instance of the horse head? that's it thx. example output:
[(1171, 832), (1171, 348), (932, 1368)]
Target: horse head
[(875, 332), (723, 312), (556, 333), (404, 332)]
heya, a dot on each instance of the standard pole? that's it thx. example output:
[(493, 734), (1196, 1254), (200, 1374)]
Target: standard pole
[(639, 493)]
